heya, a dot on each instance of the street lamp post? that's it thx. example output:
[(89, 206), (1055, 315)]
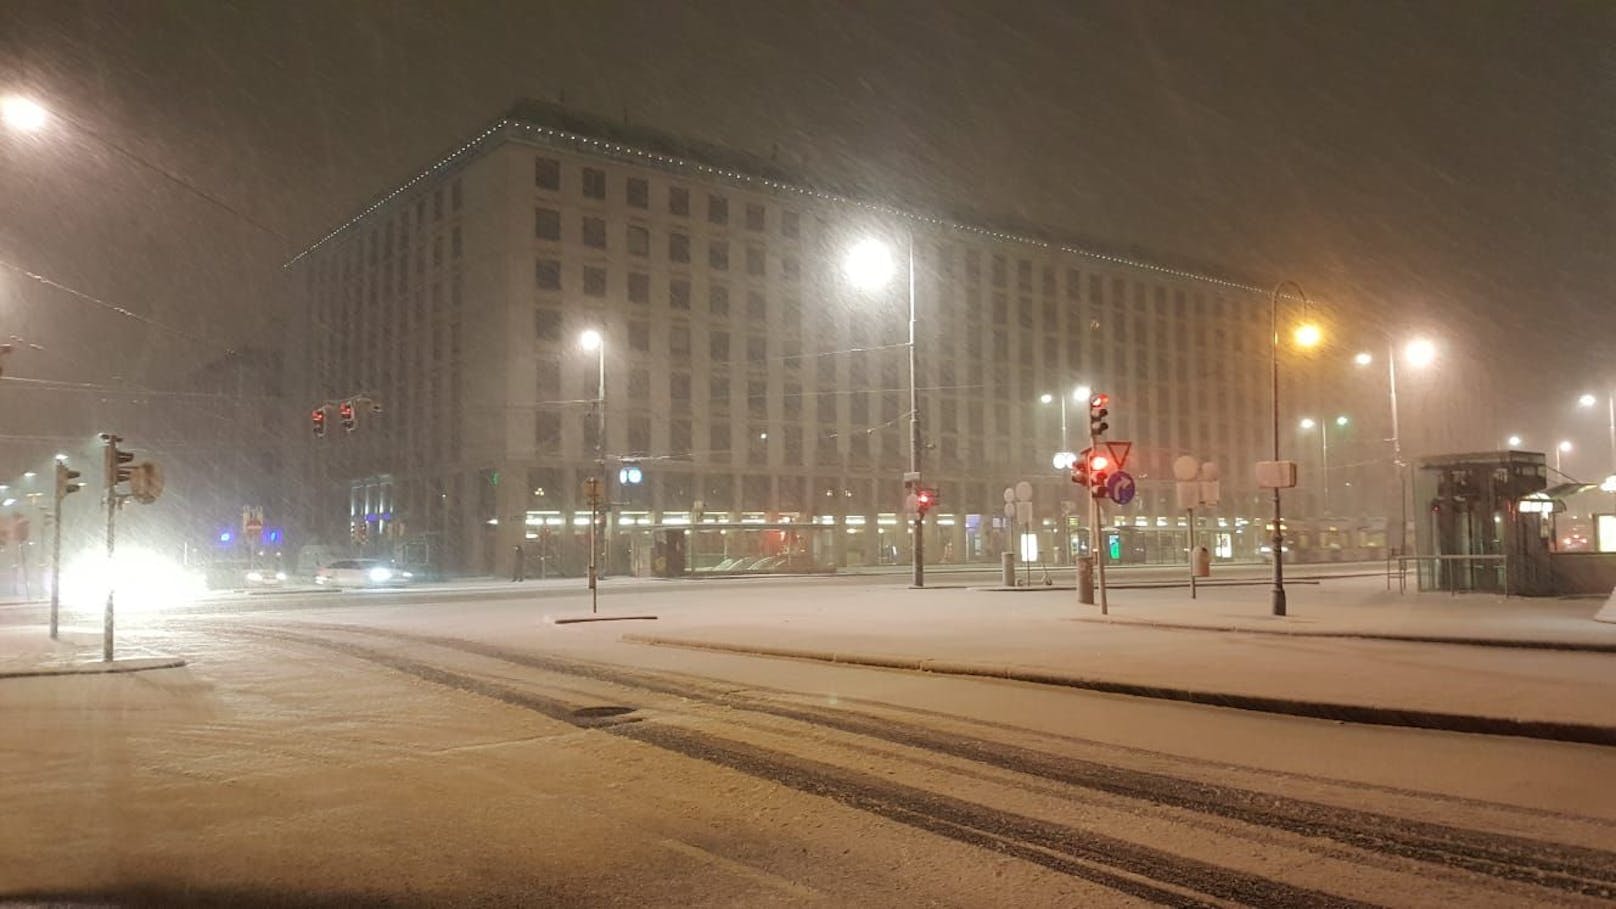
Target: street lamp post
[(592, 340), (1419, 352), (869, 265), (1563, 448), (1307, 335), (1324, 451), (1589, 400)]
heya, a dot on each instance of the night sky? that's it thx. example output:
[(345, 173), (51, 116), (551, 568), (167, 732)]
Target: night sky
[(1421, 166)]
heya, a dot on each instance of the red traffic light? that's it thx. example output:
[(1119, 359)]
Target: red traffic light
[(925, 499), (346, 412), (1099, 464), (319, 421), (1100, 401)]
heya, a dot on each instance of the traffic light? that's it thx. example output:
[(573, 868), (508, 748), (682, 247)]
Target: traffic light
[(345, 411), (64, 480), (1080, 469), (319, 422), (1099, 473), (116, 472), (1099, 409), (925, 500)]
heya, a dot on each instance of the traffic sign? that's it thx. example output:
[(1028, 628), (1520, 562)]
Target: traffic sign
[(1119, 453), (1120, 487)]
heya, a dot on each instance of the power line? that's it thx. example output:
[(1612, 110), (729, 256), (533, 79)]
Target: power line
[(113, 307)]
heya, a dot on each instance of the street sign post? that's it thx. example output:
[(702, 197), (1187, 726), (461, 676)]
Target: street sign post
[(1121, 488)]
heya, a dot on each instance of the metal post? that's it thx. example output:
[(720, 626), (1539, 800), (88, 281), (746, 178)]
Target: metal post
[(1096, 535), (1324, 467), (1191, 552), (1397, 451), (1277, 597), (600, 457), (919, 550), (56, 554), (1612, 402), (112, 575)]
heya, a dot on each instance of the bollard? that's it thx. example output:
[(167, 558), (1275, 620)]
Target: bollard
[(1202, 558), (1007, 569), (1085, 581)]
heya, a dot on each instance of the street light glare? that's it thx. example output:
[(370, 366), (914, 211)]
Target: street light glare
[(869, 264), (22, 114), (1420, 352), (1046, 398), (1082, 393), (590, 339), (1341, 420), (1514, 441), (1565, 447), (1307, 423), (1308, 335), (1363, 359), (1587, 401)]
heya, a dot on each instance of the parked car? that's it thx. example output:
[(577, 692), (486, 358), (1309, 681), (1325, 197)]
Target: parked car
[(355, 573)]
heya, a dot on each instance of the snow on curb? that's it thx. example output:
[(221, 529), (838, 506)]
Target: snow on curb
[(1580, 733), (94, 668), (1515, 643), (1607, 613)]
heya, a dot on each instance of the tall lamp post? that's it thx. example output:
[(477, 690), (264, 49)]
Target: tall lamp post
[(1306, 335), (1564, 448), (1065, 458), (1309, 423), (1419, 353), (869, 265), (592, 340), (1589, 401)]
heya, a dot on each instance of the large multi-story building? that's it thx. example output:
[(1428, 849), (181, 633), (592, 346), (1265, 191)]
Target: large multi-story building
[(762, 395)]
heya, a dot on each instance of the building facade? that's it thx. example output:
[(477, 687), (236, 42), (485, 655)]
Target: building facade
[(761, 395)]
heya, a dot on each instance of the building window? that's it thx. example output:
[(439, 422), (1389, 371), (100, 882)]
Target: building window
[(718, 300), (790, 224), (547, 224), (718, 254), (1000, 272), (718, 441), (547, 274), (547, 324), (638, 193), (757, 348), (594, 281), (639, 287), (790, 268), (546, 173), (757, 398), (679, 293), (639, 335), (718, 392), (594, 183), (718, 346), (678, 247), (454, 243), (679, 342), (595, 232), (679, 201), (547, 432), (639, 240), (717, 209), (639, 434), (754, 216), (757, 306), (754, 261), (679, 391)]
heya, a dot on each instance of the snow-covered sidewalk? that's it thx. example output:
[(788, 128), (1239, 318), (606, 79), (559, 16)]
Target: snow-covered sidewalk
[(28, 650), (1160, 643)]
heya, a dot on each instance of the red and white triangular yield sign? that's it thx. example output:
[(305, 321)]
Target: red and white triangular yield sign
[(1119, 453)]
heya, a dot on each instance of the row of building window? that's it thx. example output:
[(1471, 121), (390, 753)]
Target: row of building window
[(547, 175)]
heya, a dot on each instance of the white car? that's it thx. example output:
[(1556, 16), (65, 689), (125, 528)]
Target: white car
[(362, 573)]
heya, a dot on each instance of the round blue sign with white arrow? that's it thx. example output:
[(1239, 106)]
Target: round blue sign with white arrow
[(1120, 487)]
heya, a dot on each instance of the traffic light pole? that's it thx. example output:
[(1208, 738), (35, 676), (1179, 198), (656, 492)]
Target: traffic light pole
[(919, 573), (56, 556), (112, 515)]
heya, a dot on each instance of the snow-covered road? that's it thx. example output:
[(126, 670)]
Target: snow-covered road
[(475, 754)]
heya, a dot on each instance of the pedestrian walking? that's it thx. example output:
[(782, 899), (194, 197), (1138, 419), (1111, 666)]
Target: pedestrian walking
[(518, 564)]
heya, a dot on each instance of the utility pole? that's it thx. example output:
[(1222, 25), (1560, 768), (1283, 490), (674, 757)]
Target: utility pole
[(112, 459)]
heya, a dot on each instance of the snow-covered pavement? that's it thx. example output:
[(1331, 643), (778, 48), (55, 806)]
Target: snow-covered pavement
[(475, 753)]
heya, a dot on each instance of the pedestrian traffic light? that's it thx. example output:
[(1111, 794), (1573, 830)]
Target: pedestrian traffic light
[(319, 422), (64, 480), (1099, 409), (925, 500), (345, 412)]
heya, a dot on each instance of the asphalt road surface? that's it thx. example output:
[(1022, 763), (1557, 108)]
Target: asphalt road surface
[(407, 749)]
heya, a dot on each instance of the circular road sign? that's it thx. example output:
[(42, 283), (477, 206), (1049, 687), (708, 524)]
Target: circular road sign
[(1120, 487)]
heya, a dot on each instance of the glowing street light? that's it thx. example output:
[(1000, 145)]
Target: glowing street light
[(23, 114), (1307, 423), (1563, 447), (1560, 451), (1342, 421), (1514, 441), (1420, 352), (1364, 358), (590, 340), (869, 264), (1308, 335), (1587, 400)]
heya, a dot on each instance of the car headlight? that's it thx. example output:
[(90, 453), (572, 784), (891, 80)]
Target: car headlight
[(380, 574), (255, 576), (406, 575), (280, 575)]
